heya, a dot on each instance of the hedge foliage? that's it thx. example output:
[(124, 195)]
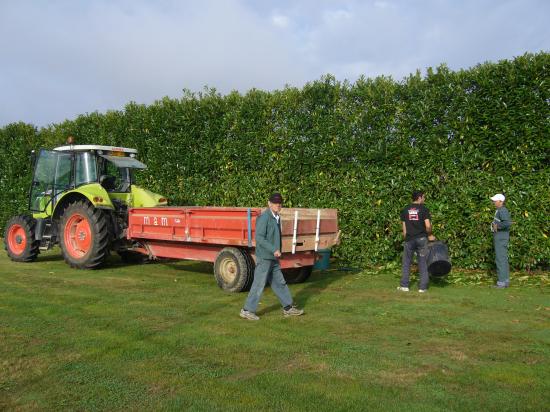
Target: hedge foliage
[(362, 148)]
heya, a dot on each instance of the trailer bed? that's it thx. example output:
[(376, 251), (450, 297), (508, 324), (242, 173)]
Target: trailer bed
[(233, 226)]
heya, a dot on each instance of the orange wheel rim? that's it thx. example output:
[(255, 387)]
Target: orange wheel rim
[(78, 236), (17, 239)]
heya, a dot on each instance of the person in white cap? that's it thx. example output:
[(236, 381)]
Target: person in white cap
[(501, 237)]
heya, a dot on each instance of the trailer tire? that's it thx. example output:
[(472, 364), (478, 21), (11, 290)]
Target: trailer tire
[(251, 266), (232, 270), (297, 275), (19, 239), (84, 236)]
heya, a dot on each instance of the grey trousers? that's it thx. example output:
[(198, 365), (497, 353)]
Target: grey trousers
[(500, 241), (420, 246), (267, 270)]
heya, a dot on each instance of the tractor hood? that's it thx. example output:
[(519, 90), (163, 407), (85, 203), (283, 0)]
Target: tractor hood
[(121, 161)]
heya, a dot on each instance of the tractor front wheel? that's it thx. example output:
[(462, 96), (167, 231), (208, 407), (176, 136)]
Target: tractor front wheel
[(19, 239), (84, 236)]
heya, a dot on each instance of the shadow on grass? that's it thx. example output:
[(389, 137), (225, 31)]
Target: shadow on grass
[(439, 282), (189, 266), (115, 261), (50, 258), (317, 283), (435, 281)]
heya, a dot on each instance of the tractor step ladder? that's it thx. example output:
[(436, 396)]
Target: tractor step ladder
[(46, 241)]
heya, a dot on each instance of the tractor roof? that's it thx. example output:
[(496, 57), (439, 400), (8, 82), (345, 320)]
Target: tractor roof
[(89, 147)]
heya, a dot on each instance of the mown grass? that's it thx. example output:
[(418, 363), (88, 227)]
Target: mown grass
[(165, 337)]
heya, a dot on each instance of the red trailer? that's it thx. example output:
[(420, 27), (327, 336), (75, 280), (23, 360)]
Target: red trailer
[(225, 236)]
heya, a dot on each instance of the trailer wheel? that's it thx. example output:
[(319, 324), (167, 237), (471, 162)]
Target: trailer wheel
[(232, 270), (19, 239), (84, 236), (251, 266), (297, 275)]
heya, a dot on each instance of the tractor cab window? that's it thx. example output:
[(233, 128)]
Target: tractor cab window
[(52, 176), (113, 178), (85, 168)]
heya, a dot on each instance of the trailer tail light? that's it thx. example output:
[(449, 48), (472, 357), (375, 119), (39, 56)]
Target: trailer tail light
[(97, 199)]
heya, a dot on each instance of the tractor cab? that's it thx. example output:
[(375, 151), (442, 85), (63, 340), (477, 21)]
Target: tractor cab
[(69, 168)]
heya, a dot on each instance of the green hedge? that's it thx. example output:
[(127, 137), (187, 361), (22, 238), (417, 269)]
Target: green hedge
[(17, 140), (362, 148)]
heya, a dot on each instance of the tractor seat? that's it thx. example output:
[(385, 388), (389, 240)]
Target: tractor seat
[(108, 182)]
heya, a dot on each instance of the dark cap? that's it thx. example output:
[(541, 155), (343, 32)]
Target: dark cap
[(276, 198)]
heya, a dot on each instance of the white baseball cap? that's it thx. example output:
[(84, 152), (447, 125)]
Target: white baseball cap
[(498, 196)]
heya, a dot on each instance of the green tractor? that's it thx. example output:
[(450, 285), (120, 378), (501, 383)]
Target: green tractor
[(79, 199)]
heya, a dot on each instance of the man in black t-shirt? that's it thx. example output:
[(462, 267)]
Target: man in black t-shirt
[(417, 230)]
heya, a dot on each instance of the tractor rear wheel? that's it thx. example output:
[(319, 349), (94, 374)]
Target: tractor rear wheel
[(233, 270), (19, 239), (84, 236), (297, 275)]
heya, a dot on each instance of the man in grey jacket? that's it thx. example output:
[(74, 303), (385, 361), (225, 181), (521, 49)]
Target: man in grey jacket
[(268, 269), (501, 237)]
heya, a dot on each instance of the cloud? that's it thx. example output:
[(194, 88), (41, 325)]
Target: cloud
[(280, 20), (398, 37), (383, 4), (63, 58), (335, 18), (87, 56)]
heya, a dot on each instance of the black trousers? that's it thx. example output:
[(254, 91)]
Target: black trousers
[(420, 246)]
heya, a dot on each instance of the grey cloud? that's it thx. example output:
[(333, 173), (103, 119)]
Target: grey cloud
[(397, 37), (62, 58), (101, 55)]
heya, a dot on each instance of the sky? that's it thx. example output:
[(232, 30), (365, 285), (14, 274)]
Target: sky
[(62, 58)]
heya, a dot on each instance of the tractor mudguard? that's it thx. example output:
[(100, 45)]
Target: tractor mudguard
[(145, 198)]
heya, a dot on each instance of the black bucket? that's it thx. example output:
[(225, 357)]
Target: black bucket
[(438, 260)]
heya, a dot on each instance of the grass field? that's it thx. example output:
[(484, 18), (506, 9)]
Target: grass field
[(165, 337)]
